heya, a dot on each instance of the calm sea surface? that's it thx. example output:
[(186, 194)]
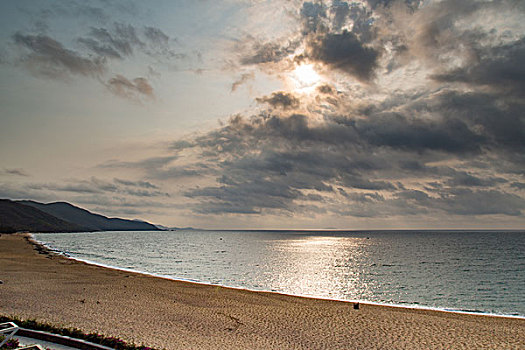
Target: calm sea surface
[(456, 270)]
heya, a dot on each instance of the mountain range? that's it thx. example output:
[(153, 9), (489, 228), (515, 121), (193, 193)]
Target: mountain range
[(31, 216)]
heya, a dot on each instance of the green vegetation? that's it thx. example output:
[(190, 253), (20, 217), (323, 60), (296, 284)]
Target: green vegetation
[(96, 338), (11, 343)]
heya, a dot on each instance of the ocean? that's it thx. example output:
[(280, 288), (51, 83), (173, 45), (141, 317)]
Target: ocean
[(470, 271)]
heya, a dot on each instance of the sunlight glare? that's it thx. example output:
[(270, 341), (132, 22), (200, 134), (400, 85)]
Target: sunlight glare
[(305, 76)]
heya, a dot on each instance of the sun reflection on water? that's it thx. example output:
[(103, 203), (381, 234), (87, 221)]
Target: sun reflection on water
[(323, 266)]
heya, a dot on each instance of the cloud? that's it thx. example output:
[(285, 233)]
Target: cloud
[(486, 202), (47, 57), (142, 184), (312, 14), (336, 36), (499, 67), (15, 172), (156, 36), (403, 156), (280, 99), (97, 52), (100, 49), (440, 133), (115, 44), (147, 163), (340, 11), (421, 116), (265, 52), (344, 52), (518, 185), (124, 40), (134, 89), (463, 178), (100, 187), (242, 79)]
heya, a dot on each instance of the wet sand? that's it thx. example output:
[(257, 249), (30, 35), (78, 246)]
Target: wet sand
[(182, 315)]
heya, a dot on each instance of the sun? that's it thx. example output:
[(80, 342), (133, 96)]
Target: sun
[(304, 76)]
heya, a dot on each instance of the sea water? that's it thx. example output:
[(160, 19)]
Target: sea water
[(474, 271)]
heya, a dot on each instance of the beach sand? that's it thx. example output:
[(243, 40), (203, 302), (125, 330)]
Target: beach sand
[(182, 315)]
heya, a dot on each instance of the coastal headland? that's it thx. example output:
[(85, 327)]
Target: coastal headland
[(168, 314)]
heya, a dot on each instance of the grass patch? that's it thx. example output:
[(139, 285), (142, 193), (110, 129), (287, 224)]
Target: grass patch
[(96, 338)]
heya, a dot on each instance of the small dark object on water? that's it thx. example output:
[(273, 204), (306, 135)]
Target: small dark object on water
[(356, 306)]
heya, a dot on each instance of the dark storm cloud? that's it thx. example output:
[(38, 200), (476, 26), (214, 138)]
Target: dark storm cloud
[(131, 89), (280, 99), (47, 57), (344, 52), (500, 67), (465, 179), (247, 198), (498, 119)]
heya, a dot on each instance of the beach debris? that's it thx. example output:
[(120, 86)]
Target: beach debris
[(1, 282), (356, 306), (237, 322)]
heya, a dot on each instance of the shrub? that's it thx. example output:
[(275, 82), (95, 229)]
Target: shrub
[(96, 338), (11, 343)]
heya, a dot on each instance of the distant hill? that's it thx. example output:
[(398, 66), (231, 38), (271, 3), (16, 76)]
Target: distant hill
[(33, 216), (88, 220), (16, 217)]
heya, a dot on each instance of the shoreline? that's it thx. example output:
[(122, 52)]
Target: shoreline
[(414, 305), (140, 308), (169, 278)]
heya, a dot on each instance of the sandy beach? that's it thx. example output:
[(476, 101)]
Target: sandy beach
[(182, 315)]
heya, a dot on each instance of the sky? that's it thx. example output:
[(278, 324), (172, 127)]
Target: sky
[(263, 114)]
